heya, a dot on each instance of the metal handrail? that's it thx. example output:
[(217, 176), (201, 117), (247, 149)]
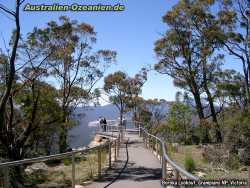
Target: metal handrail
[(56, 156), (112, 140), (165, 158), (172, 163), (164, 152)]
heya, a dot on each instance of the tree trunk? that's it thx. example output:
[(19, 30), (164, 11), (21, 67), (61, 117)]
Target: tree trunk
[(121, 120), (63, 141), (246, 72), (11, 73), (211, 102), (199, 109), (16, 177), (214, 115), (63, 134)]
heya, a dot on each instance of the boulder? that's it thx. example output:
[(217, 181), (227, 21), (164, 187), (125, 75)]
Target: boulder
[(200, 174), (53, 185), (244, 155), (214, 154), (79, 186), (243, 169), (37, 168)]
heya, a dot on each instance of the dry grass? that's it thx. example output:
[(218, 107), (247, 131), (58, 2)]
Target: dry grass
[(210, 171), (85, 170)]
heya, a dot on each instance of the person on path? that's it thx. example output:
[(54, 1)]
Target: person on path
[(104, 124), (101, 123)]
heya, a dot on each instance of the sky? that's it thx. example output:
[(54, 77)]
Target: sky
[(131, 33)]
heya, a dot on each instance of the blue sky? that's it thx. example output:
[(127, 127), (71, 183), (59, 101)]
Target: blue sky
[(131, 33)]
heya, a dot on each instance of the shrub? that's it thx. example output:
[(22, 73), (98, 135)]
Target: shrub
[(91, 161), (53, 162), (193, 139), (233, 162), (213, 154), (34, 179), (67, 161), (189, 163), (169, 149)]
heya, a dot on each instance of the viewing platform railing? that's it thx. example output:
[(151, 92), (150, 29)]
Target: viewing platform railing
[(111, 146), (155, 144), (158, 146)]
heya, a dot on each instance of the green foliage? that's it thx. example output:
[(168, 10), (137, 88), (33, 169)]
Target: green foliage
[(145, 115), (123, 91), (91, 159), (53, 162), (67, 161), (179, 119), (67, 45), (187, 53), (35, 179), (233, 162), (194, 137), (229, 86), (189, 163), (170, 149), (237, 129), (235, 25)]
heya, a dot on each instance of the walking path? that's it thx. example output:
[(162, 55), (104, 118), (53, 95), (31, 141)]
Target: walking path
[(142, 170)]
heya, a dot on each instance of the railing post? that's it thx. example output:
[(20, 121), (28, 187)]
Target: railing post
[(6, 177), (115, 149), (177, 176), (148, 140), (160, 153), (118, 146), (156, 146), (249, 176), (121, 132), (99, 159), (139, 130), (110, 145), (164, 172), (143, 138), (149, 147), (164, 165), (73, 170)]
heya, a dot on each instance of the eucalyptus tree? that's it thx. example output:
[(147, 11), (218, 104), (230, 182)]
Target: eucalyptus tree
[(10, 75), (15, 129), (179, 120), (134, 90), (124, 91), (19, 79), (76, 67), (188, 53), (230, 84), (234, 18), (116, 86)]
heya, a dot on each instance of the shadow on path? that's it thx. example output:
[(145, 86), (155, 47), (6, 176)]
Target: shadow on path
[(132, 173)]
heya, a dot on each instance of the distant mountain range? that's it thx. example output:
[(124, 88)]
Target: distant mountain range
[(82, 134)]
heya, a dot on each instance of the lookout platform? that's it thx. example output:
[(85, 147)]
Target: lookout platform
[(136, 167), (136, 159)]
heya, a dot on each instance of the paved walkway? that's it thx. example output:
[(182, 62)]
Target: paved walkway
[(143, 170)]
